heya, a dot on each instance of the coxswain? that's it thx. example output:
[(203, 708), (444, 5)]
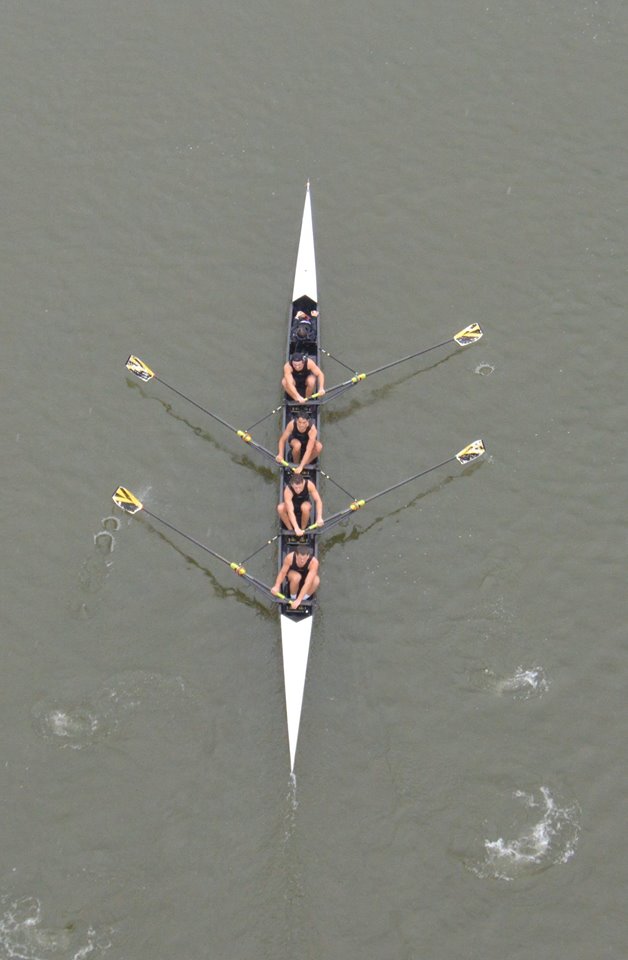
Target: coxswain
[(300, 568), (300, 377), (295, 509), (305, 325), (302, 435)]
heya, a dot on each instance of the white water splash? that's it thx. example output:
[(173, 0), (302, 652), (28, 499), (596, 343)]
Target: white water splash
[(23, 937), (523, 684), (550, 839)]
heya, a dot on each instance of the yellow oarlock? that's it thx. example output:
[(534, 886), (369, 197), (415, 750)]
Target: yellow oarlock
[(358, 377), (357, 504), (139, 368), (244, 436), (237, 568)]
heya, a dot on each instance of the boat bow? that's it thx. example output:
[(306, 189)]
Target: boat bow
[(305, 273)]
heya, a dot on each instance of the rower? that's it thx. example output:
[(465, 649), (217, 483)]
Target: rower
[(300, 376), (296, 507), (300, 568), (302, 435)]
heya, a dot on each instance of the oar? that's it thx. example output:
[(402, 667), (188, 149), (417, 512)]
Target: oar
[(143, 372), (470, 334), (465, 456), (128, 502)]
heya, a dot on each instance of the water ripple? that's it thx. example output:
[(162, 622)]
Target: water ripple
[(95, 569), (77, 725)]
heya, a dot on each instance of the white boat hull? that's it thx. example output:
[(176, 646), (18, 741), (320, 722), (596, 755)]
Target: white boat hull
[(295, 644)]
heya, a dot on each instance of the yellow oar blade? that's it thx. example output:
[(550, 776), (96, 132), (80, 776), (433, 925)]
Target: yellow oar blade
[(471, 453), (470, 334), (127, 501), (139, 368)]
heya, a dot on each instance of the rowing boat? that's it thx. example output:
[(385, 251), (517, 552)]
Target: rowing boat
[(296, 625)]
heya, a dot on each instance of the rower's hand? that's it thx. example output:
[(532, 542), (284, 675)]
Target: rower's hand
[(319, 523), (279, 458), (299, 532), (295, 603), (297, 469), (321, 392), (274, 591)]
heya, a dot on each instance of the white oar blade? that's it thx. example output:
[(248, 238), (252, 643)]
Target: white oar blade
[(139, 368), (471, 452), (470, 334), (126, 500), (295, 645)]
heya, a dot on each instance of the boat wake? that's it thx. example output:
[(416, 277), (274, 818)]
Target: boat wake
[(23, 937), (546, 832), (291, 809)]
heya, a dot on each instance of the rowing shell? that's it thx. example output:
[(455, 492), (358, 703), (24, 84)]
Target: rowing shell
[(296, 625)]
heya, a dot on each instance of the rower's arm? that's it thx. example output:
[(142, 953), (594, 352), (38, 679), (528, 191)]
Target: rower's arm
[(290, 385), (281, 576), (281, 446), (318, 503), (307, 583), (309, 450), (288, 499)]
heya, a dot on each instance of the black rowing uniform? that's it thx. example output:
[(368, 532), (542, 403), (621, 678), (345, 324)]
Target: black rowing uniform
[(302, 436), (302, 570), (298, 499), (300, 377)]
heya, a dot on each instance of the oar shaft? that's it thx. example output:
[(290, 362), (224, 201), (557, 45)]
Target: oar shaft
[(411, 356), (243, 434), (209, 413), (187, 536), (236, 567), (358, 504), (402, 483), (339, 388)]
